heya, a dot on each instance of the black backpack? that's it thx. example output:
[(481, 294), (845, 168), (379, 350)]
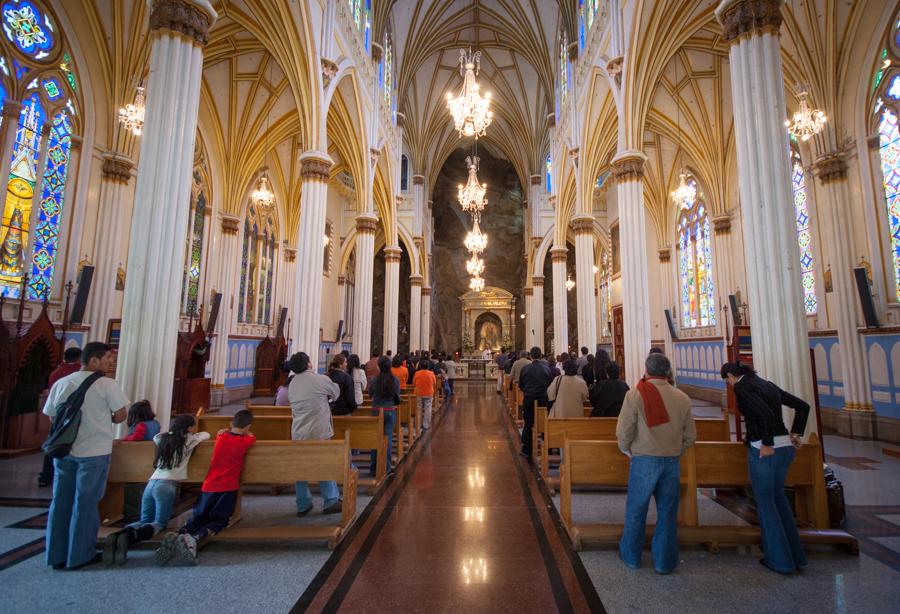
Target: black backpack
[(65, 425)]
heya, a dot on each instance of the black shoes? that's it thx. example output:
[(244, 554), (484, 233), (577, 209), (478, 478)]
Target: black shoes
[(334, 508)]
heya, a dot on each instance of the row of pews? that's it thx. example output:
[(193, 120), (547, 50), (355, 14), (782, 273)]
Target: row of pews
[(591, 461), (275, 461)]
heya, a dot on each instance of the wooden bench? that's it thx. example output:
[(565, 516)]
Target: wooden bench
[(366, 433), (704, 465), (268, 462)]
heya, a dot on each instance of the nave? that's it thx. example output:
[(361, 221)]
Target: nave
[(465, 525)]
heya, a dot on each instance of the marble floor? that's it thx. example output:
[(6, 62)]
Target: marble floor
[(464, 525)]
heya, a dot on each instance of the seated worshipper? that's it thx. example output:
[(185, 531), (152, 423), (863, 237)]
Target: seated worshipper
[(770, 452), (281, 395), (653, 430), (345, 404), (218, 494), (173, 452), (385, 391), (358, 375), (74, 519), (601, 361), (607, 395), (568, 393), (399, 370), (534, 381), (587, 373), (425, 381), (310, 395), (141, 422), (71, 363)]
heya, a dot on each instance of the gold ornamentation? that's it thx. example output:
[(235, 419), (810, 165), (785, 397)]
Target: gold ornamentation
[(722, 224), (314, 169), (341, 280), (748, 17), (366, 225), (230, 225), (182, 17), (116, 169), (416, 280), (290, 255), (583, 225), (329, 71), (426, 291), (535, 180), (559, 254), (537, 282), (11, 110), (665, 254), (392, 254), (628, 169), (418, 179), (614, 69), (831, 167), (529, 291)]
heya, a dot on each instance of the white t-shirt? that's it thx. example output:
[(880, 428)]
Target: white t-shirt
[(451, 369), (359, 384), (179, 472), (95, 435)]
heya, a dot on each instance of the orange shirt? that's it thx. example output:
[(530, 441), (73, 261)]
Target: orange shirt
[(402, 374), (424, 382)]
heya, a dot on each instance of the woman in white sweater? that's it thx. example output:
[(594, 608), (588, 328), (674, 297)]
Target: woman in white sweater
[(568, 392)]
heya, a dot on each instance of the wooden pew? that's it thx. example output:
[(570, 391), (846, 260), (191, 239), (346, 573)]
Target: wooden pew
[(706, 464), (267, 463)]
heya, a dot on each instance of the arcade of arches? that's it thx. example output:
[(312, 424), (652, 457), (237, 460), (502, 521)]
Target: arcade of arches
[(210, 186)]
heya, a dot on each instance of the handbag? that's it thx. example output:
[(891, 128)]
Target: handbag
[(67, 421)]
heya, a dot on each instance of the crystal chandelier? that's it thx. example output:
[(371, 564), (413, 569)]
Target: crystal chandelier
[(471, 112), (476, 284), (262, 196), (806, 122), (475, 266), (476, 241), (132, 115), (471, 195), (570, 284), (685, 194)]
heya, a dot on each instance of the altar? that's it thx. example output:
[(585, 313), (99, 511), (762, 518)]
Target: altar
[(488, 321)]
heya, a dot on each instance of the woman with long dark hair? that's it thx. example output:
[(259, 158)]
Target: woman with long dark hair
[(358, 376), (345, 404), (770, 450), (385, 391), (601, 361)]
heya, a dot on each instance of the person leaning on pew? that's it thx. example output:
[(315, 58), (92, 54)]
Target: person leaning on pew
[(654, 428)]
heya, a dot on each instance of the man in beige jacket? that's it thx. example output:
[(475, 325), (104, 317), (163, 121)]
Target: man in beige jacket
[(654, 428)]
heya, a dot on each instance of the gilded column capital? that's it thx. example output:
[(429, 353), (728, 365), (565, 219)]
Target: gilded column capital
[(426, 291), (290, 254), (190, 19), (552, 201), (535, 180), (537, 281), (628, 166), (341, 280), (418, 179), (315, 166), (748, 17), (377, 51), (721, 224), (830, 168), (230, 225), (116, 168), (559, 254), (416, 280), (366, 223), (529, 291), (665, 254), (11, 109), (392, 254), (582, 224), (76, 142)]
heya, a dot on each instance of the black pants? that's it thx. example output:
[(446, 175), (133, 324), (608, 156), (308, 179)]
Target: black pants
[(211, 514), (528, 413)]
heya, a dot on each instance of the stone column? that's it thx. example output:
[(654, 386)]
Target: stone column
[(535, 200), (109, 244), (537, 308), (11, 112), (529, 315), (315, 166), (724, 267), (289, 280), (426, 318), (560, 300), (831, 170), (227, 282), (670, 293), (584, 275), (628, 170), (391, 296), (179, 32), (418, 190), (366, 224), (780, 339), (415, 313)]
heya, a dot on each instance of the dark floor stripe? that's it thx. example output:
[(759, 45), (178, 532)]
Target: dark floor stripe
[(32, 522), (23, 502), (22, 553)]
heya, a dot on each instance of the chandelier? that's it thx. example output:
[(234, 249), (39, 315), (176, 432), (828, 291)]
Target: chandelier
[(132, 115), (471, 113), (475, 266), (471, 195), (476, 284), (806, 122), (476, 241), (570, 284), (686, 192), (262, 196)]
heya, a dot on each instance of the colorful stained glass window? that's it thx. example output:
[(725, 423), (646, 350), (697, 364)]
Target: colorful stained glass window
[(388, 68), (548, 171), (245, 255), (804, 240), (257, 268), (27, 27), (563, 70), (893, 89), (695, 266), (193, 259), (889, 137)]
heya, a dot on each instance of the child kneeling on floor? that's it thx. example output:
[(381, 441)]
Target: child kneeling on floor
[(219, 493), (173, 451)]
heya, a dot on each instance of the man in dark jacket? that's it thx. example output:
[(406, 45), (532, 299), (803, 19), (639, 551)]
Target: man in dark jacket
[(607, 395), (534, 380)]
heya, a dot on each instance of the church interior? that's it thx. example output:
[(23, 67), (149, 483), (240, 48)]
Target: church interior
[(210, 187)]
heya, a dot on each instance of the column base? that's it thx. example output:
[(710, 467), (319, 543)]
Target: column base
[(860, 424)]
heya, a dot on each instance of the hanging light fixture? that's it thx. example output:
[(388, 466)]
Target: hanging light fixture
[(570, 283), (476, 241), (686, 192), (476, 284), (806, 122), (471, 196), (475, 266), (262, 196), (131, 116), (470, 111)]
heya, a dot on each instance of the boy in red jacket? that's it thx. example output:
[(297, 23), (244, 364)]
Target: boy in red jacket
[(219, 493)]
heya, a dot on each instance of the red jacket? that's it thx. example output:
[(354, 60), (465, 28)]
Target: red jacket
[(227, 462), (66, 368)]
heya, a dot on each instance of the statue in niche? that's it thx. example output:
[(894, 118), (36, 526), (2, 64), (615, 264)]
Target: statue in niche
[(489, 336)]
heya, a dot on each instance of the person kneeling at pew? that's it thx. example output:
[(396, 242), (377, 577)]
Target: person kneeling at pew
[(219, 493)]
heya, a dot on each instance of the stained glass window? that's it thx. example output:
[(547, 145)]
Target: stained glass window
[(404, 173), (388, 69), (547, 170), (889, 150), (698, 302), (193, 259), (257, 267), (28, 27), (804, 240), (563, 70)]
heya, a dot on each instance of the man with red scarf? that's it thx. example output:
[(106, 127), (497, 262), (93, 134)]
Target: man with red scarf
[(654, 428)]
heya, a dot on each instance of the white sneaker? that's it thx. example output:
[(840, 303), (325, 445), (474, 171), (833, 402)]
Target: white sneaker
[(187, 548)]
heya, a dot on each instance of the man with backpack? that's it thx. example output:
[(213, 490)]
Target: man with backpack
[(88, 403)]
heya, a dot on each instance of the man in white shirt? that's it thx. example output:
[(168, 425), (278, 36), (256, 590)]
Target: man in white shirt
[(81, 475), (450, 365)]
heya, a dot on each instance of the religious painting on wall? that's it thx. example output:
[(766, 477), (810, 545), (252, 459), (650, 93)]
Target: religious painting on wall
[(120, 279), (614, 245)]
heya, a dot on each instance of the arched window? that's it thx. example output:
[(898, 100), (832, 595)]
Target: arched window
[(404, 173), (804, 237), (589, 11), (360, 11), (193, 249), (563, 78), (35, 63), (548, 172), (328, 240), (387, 74), (257, 267), (698, 303)]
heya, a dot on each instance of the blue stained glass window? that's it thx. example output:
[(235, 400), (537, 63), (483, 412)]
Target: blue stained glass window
[(894, 88), (27, 27), (695, 266), (548, 172), (804, 237)]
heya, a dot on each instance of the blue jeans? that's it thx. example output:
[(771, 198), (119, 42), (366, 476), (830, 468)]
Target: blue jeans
[(780, 538), (74, 518), (390, 423), (157, 503), (330, 494), (656, 476)]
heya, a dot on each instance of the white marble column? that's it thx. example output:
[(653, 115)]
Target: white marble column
[(12, 110), (110, 243), (415, 313), (628, 170), (775, 295), (308, 291), (160, 219), (391, 296), (536, 196), (723, 281), (418, 194), (560, 301), (537, 308), (289, 280), (426, 318), (227, 282), (584, 282), (670, 295), (832, 173), (366, 223), (529, 318)]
